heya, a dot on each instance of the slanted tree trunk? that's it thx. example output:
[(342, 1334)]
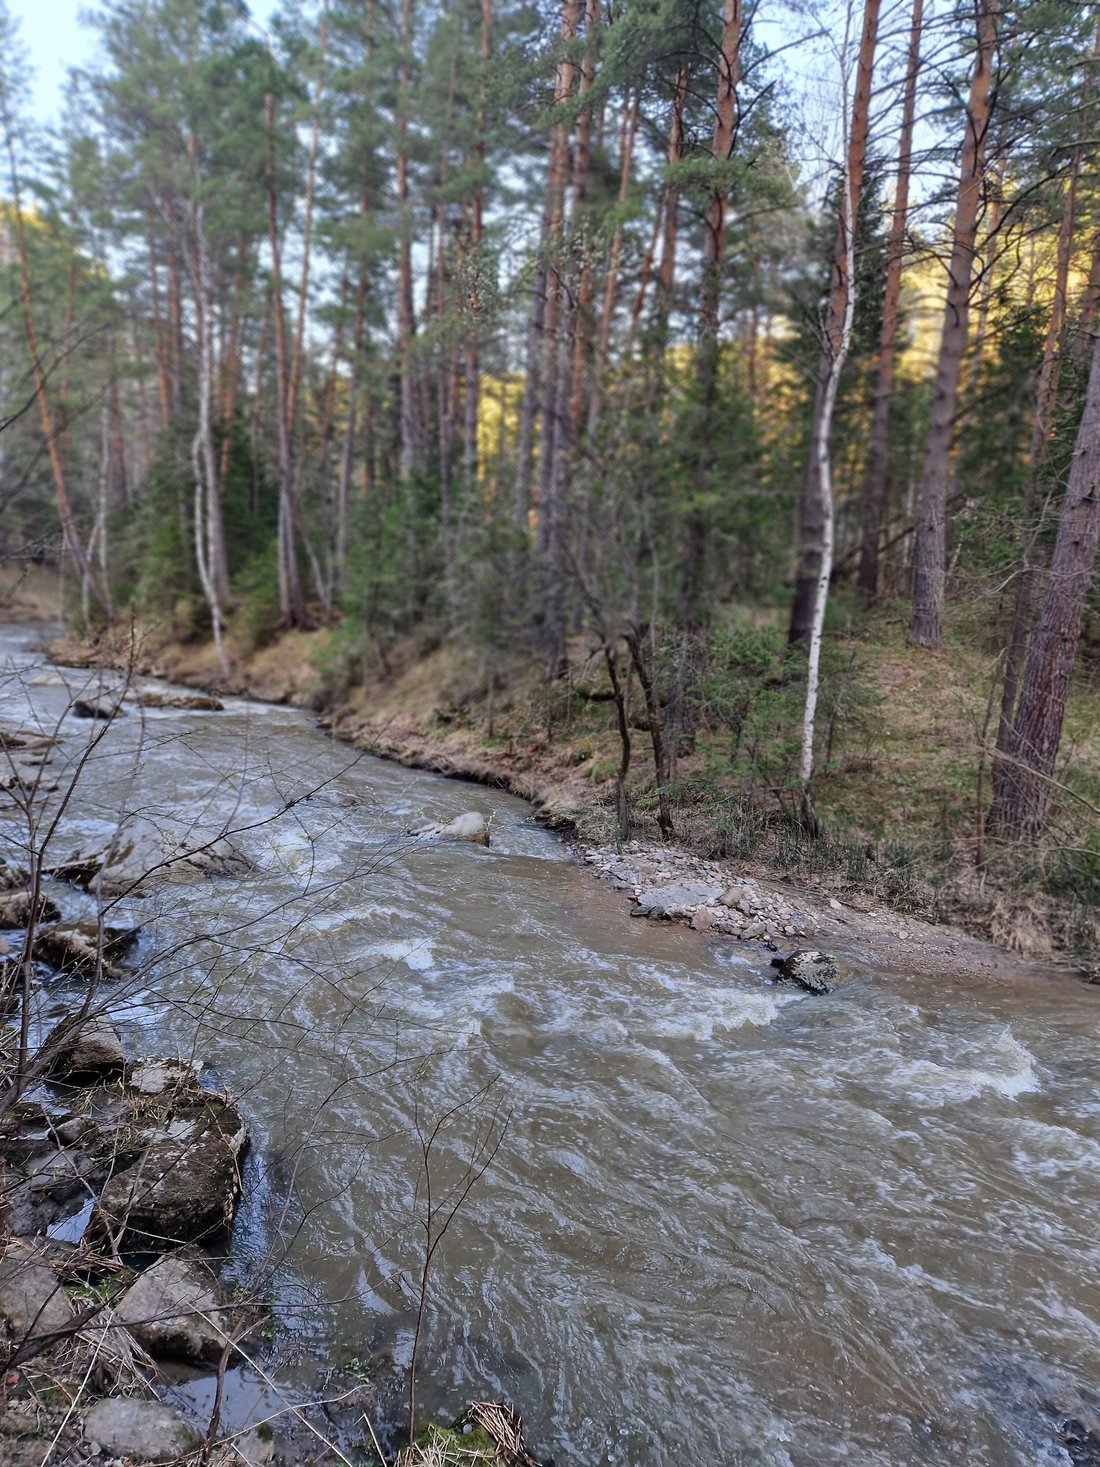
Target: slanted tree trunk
[(930, 551), (815, 520), (874, 491), (1023, 790)]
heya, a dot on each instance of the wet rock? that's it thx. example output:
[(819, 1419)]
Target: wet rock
[(175, 1310), (32, 1302), (12, 877), (184, 1185), (78, 948), (101, 708), (704, 919), (144, 1431), (470, 826), (675, 899), (159, 1076), (17, 909), (141, 856), (49, 1186), (25, 779), (93, 1050), (814, 971), (192, 702)]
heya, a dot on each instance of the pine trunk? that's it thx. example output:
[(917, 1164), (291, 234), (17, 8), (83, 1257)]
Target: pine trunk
[(930, 553)]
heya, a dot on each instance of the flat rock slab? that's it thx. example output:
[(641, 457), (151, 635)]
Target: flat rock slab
[(188, 702), (32, 1301), (175, 1310), (143, 856), (144, 1431), (676, 899)]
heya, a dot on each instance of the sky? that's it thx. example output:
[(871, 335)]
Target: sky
[(52, 32)]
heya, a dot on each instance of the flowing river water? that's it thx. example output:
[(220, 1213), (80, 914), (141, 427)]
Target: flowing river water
[(727, 1223)]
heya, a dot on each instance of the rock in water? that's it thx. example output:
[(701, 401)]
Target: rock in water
[(193, 702), (185, 1183), (103, 708), (93, 1050), (78, 948), (175, 1310), (676, 899), (16, 909), (815, 972), (470, 826), (144, 1431)]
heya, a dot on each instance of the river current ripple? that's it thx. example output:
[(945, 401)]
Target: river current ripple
[(727, 1223)]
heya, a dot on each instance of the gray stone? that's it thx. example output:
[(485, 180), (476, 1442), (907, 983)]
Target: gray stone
[(158, 1076), (675, 899), (470, 826), (753, 931), (174, 1310), (95, 1049), (32, 1302), (183, 1187), (17, 909), (144, 1431), (814, 971), (102, 708), (143, 856), (194, 702), (78, 948), (704, 919)]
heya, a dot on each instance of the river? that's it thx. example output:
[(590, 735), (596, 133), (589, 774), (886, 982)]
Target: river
[(726, 1223)]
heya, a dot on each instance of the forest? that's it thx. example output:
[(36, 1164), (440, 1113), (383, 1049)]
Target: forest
[(723, 385)]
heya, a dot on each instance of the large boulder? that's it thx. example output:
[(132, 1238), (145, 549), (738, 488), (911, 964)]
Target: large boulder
[(143, 1431), (142, 855), (32, 1302), (815, 972), (470, 826), (84, 949), (676, 899), (183, 1186), (175, 1309)]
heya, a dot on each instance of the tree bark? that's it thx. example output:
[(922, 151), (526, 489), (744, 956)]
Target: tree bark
[(930, 555), (874, 492), (1023, 793), (814, 514)]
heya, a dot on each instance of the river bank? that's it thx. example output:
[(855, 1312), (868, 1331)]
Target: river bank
[(700, 1164), (416, 720)]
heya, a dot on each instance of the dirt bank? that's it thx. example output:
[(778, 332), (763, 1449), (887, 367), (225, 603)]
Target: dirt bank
[(418, 719)]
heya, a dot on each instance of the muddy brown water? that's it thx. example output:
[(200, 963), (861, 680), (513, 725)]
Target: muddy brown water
[(727, 1223)]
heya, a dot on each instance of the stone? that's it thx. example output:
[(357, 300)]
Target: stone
[(184, 1185), (12, 877), (470, 826), (175, 1310), (733, 896), (191, 702), (102, 708), (95, 1049), (143, 856), (32, 1302), (704, 919), (144, 1431), (79, 948), (675, 899), (18, 910), (158, 1076), (814, 971), (753, 931)]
